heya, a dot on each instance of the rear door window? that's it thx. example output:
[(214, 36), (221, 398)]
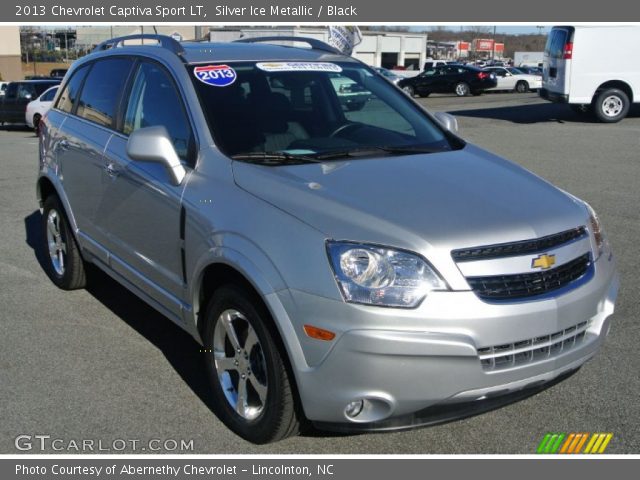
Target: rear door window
[(100, 94), (69, 96), (556, 42)]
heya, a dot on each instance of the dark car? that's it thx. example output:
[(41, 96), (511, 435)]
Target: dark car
[(459, 79), (530, 70), (18, 94), (58, 72)]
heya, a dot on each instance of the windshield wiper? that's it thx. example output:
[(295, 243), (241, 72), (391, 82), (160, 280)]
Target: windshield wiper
[(374, 150), (274, 158)]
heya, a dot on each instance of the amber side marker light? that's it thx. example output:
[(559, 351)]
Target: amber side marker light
[(319, 333)]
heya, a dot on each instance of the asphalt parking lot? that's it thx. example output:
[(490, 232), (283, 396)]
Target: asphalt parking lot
[(99, 364)]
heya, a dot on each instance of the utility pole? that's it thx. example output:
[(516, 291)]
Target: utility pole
[(493, 50)]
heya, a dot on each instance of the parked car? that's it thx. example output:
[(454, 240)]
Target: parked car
[(388, 74), (13, 104), (594, 69), (38, 107), (459, 79), (58, 72), (354, 269), (512, 79), (351, 94), (531, 70), (430, 63)]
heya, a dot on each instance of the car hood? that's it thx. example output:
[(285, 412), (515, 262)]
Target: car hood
[(444, 200)]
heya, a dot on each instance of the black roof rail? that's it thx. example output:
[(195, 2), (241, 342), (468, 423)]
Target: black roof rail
[(312, 42), (165, 42)]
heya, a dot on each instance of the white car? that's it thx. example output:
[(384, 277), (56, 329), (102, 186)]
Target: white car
[(510, 78), (38, 107)]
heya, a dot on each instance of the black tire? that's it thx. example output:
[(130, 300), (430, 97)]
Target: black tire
[(36, 123), (72, 276), (522, 87), (409, 90), (611, 105), (279, 417), (462, 89)]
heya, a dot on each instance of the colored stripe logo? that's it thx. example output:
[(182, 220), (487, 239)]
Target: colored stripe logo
[(571, 443)]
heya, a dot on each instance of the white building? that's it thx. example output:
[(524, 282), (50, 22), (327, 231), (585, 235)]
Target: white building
[(379, 49)]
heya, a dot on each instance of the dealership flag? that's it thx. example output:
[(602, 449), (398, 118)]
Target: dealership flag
[(344, 38)]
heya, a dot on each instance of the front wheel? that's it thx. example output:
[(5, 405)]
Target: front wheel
[(462, 89), (64, 263), (251, 385), (611, 105), (522, 87), (409, 90)]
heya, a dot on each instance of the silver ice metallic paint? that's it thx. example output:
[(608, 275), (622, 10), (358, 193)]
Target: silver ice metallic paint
[(271, 225)]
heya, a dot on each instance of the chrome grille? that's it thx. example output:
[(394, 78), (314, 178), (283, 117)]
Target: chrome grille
[(522, 285), (523, 247), (500, 357)]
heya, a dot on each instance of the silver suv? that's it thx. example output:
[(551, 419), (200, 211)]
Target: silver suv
[(359, 269)]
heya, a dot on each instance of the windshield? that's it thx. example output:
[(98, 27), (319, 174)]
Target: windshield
[(311, 110)]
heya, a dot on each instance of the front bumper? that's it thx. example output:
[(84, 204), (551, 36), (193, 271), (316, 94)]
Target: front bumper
[(404, 362)]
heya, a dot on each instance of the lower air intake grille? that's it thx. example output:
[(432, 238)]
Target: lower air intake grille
[(505, 287), (500, 357)]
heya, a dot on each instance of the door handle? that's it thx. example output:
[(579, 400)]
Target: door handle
[(111, 170)]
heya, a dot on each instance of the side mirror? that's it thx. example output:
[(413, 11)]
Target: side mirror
[(153, 144), (447, 121)]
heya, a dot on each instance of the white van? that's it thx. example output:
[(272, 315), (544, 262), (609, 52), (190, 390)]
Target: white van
[(595, 69)]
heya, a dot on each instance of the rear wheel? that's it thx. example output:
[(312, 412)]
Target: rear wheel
[(251, 385), (611, 105), (462, 89), (64, 263), (522, 87)]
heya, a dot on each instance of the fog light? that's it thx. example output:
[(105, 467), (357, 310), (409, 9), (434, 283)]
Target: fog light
[(354, 408)]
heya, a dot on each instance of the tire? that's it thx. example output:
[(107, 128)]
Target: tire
[(522, 87), (64, 264), (477, 93), (409, 90), (462, 89), (611, 105), (268, 412), (36, 123)]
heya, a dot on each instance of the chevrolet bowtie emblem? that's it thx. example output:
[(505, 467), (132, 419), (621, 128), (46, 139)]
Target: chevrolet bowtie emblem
[(543, 261)]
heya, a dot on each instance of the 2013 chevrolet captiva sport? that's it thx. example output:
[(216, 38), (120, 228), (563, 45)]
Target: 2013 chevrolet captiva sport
[(358, 268)]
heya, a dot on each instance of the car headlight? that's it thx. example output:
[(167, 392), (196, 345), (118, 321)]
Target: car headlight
[(374, 275), (596, 230)]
